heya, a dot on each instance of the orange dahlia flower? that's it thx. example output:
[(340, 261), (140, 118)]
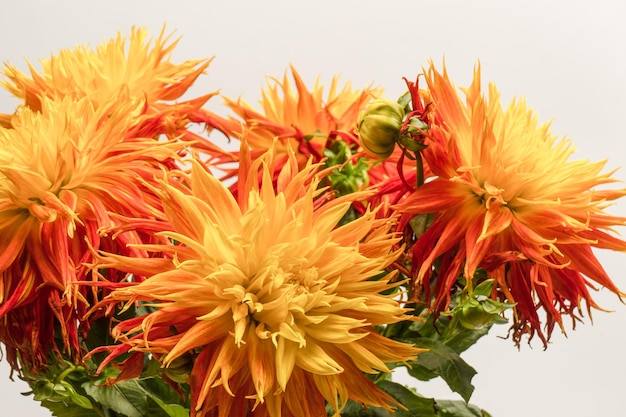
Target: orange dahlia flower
[(508, 198), (302, 120), (270, 296), (132, 70), (66, 171)]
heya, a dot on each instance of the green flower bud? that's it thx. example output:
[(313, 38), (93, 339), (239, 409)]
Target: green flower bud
[(474, 317), (379, 127)]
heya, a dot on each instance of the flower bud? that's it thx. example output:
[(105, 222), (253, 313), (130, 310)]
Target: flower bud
[(379, 127)]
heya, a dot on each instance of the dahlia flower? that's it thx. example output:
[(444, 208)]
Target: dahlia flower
[(302, 120), (66, 171), (269, 295), (135, 71), (508, 198)]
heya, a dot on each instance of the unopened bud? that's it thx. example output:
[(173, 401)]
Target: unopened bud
[(379, 127)]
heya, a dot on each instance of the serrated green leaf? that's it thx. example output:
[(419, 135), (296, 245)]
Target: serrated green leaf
[(159, 389), (461, 339), (125, 397), (68, 409), (139, 397), (421, 372), (446, 363), (416, 405), (157, 408), (450, 408), (165, 398)]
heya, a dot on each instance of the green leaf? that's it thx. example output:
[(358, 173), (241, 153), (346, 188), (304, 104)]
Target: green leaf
[(450, 408), (416, 405), (157, 388), (139, 397), (157, 408), (125, 397), (417, 370), (404, 101), (446, 363), (161, 395), (81, 400), (484, 288), (461, 338), (152, 368), (99, 335), (68, 409), (355, 409)]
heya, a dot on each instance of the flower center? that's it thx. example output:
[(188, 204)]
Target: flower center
[(493, 197), (277, 301)]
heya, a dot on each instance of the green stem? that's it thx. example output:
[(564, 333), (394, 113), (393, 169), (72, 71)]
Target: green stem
[(66, 372)]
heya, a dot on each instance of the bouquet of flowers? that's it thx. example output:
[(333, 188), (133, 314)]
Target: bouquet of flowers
[(148, 270)]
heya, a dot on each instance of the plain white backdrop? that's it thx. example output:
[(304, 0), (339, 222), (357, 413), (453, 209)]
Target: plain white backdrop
[(568, 60)]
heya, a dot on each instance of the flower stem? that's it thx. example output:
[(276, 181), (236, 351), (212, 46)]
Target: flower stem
[(420, 168)]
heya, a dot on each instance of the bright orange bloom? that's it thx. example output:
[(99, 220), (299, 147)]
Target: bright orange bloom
[(302, 120), (134, 71), (273, 299), (508, 198), (66, 171)]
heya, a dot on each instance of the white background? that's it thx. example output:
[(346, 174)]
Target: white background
[(568, 60)]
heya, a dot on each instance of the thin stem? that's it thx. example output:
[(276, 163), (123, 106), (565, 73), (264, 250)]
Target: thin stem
[(420, 168)]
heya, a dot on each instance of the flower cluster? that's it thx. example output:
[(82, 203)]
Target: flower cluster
[(348, 235), (79, 153)]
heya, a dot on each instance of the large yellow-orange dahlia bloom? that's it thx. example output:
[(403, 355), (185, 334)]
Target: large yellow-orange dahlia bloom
[(66, 171), (300, 119), (507, 197), (273, 299), (134, 70)]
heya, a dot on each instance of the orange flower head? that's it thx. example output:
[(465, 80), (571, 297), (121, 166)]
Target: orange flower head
[(299, 119), (271, 296), (140, 69), (133, 70), (65, 171), (508, 198)]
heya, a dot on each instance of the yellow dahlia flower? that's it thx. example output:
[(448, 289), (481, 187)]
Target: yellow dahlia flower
[(273, 299), (66, 171), (508, 198), (134, 70)]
